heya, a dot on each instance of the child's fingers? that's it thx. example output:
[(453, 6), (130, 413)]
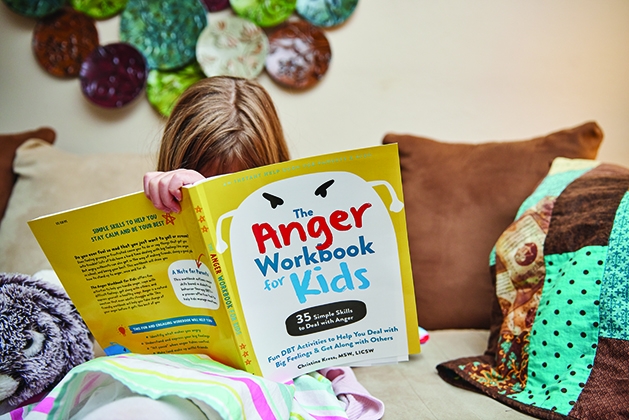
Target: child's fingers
[(164, 188)]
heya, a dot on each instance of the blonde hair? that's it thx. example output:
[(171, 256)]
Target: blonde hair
[(220, 123)]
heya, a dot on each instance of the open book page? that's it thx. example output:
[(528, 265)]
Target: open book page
[(134, 276)]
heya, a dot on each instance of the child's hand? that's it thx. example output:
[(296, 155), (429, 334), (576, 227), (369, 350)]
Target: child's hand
[(164, 188)]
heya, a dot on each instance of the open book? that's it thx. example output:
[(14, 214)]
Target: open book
[(279, 270)]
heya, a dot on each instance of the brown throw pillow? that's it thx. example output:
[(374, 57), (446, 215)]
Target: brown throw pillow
[(8, 145), (459, 199)]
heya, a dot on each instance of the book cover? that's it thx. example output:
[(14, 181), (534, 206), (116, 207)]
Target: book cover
[(279, 270)]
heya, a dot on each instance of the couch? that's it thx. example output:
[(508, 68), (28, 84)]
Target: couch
[(460, 199)]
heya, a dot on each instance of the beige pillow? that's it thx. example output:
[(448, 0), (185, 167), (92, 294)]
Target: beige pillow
[(51, 180)]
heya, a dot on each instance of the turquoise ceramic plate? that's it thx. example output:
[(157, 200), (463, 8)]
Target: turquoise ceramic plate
[(264, 12), (163, 88), (99, 9), (326, 13), (165, 31), (34, 8), (232, 46)]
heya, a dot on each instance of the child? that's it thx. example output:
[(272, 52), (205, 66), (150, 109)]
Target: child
[(219, 125)]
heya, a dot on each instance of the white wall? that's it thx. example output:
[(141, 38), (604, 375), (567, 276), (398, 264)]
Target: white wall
[(455, 70)]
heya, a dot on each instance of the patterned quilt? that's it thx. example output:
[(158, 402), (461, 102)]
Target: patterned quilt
[(559, 345)]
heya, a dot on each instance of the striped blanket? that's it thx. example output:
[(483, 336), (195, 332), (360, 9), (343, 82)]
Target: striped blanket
[(213, 387)]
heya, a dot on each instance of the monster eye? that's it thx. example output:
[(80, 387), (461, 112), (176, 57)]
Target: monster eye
[(275, 201), (323, 188), (34, 343)]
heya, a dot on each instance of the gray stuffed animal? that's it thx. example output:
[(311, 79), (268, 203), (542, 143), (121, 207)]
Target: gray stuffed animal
[(42, 337)]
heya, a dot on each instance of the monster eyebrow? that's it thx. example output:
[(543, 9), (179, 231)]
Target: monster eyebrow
[(274, 200), (323, 188)]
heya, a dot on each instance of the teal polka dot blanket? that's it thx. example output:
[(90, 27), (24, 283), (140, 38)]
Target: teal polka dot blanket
[(559, 345)]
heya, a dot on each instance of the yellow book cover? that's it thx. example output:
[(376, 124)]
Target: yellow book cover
[(279, 270)]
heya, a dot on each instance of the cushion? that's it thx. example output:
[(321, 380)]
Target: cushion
[(562, 281), (8, 145), (459, 198), (51, 180)]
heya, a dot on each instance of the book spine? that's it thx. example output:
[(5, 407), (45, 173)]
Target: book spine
[(223, 275)]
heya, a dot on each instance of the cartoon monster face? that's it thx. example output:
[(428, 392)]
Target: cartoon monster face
[(311, 239)]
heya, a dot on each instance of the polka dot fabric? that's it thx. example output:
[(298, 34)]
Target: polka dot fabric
[(560, 348), (564, 338)]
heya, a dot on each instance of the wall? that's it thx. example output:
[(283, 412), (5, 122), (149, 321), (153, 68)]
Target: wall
[(454, 70)]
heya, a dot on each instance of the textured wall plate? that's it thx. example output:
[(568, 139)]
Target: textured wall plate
[(164, 87), (299, 54), (99, 9), (232, 46), (113, 75), (62, 41), (165, 31), (34, 8), (216, 5), (326, 13), (264, 12)]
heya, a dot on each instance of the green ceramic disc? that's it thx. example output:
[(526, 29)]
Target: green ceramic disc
[(264, 13), (163, 88), (165, 31), (99, 9)]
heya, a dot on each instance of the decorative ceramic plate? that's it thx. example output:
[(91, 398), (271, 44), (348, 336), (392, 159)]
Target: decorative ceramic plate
[(113, 75), (299, 54), (99, 9), (163, 88), (165, 31), (34, 8), (264, 12), (63, 40), (326, 13), (232, 46), (216, 5)]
